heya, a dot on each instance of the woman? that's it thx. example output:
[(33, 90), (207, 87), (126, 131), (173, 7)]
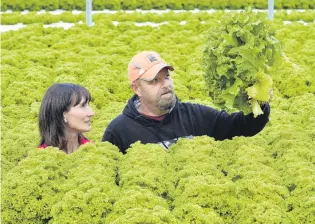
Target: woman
[(64, 115)]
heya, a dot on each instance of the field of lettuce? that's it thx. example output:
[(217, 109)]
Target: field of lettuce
[(268, 178), (34, 5)]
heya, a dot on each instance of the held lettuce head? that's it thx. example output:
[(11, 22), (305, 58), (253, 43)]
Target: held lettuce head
[(237, 54)]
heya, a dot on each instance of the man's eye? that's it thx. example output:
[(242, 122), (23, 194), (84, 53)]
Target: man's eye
[(167, 76), (154, 80)]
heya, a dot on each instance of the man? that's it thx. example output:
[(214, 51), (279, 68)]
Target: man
[(154, 114)]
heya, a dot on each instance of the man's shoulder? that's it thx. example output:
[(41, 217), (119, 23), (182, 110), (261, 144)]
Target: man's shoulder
[(117, 121), (193, 106), (186, 105)]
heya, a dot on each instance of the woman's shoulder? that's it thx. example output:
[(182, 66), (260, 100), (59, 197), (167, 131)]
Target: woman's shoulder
[(84, 141), (42, 146)]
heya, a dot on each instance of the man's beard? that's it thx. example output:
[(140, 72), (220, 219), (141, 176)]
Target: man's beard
[(166, 103)]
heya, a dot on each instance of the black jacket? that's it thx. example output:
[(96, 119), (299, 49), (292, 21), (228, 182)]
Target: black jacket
[(185, 120)]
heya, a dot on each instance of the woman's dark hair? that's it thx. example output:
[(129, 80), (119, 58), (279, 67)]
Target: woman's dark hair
[(59, 98)]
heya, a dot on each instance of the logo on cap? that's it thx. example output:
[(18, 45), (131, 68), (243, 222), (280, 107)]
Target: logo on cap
[(152, 58)]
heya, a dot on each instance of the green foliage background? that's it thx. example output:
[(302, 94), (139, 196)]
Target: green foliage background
[(269, 178), (35, 5)]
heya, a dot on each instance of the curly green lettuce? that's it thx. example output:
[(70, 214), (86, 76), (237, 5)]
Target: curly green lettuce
[(259, 92), (238, 53)]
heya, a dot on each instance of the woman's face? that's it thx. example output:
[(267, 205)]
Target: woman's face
[(78, 118)]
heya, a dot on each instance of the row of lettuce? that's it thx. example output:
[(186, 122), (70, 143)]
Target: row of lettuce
[(34, 5), (48, 18), (268, 178)]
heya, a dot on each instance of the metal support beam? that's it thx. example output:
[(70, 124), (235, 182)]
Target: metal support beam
[(89, 12), (270, 8)]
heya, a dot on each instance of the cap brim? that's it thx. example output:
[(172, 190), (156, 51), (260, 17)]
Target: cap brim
[(154, 70)]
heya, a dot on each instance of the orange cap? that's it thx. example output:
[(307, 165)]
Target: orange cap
[(146, 65)]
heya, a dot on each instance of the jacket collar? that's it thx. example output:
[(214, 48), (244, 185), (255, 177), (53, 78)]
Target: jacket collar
[(131, 110)]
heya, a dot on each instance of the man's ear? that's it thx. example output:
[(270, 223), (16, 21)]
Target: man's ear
[(135, 87)]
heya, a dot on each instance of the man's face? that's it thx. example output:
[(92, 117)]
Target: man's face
[(159, 92)]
